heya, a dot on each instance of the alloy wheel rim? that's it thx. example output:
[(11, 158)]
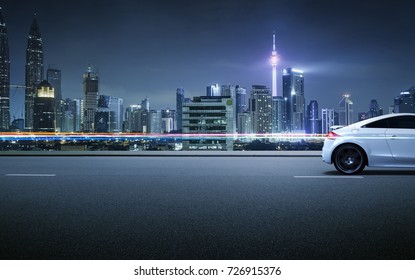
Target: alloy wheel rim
[(350, 160)]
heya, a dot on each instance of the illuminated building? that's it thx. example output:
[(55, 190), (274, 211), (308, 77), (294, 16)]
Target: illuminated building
[(213, 90), (244, 123), (68, 115), (374, 109), (293, 93), (313, 122), (179, 104), (274, 62), (131, 118), (117, 106), (404, 103), (260, 107), (278, 114), (156, 123), (78, 114), (53, 76), (4, 77), (109, 116), (145, 104), (227, 90), (345, 110), (208, 115), (91, 86), (169, 120), (240, 106), (34, 71), (327, 120), (136, 119), (44, 108)]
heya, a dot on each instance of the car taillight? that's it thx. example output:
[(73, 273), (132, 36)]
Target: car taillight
[(331, 135)]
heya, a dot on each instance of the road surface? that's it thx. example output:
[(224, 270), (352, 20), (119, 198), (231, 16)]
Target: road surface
[(252, 207)]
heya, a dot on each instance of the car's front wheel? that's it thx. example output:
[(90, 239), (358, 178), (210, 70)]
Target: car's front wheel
[(349, 159)]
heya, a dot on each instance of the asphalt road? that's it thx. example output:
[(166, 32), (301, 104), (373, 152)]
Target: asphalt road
[(113, 207)]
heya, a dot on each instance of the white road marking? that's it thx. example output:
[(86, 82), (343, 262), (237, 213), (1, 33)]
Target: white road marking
[(30, 175), (330, 177)]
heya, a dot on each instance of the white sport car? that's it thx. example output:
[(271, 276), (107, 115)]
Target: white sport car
[(384, 141)]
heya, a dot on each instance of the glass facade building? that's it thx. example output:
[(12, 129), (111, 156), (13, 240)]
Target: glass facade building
[(44, 118), (345, 110), (4, 77), (179, 105), (293, 93), (404, 103), (34, 71), (313, 122), (260, 107), (90, 86), (53, 76)]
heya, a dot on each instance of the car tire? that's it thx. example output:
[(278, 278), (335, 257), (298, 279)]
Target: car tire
[(349, 159)]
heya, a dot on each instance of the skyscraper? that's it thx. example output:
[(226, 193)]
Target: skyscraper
[(260, 106), (345, 110), (327, 120), (293, 92), (4, 77), (374, 109), (278, 114), (274, 61), (169, 120), (179, 107), (213, 90), (34, 71), (313, 122), (145, 104), (53, 76), (405, 102), (109, 115), (132, 118), (227, 90), (44, 108), (155, 121), (69, 114), (91, 85), (240, 106)]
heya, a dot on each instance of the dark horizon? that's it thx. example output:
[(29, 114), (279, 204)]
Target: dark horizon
[(144, 49)]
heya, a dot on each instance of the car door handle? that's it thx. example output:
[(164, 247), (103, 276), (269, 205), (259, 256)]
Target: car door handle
[(394, 137)]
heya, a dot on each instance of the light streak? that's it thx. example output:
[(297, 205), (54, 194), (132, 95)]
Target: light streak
[(43, 136)]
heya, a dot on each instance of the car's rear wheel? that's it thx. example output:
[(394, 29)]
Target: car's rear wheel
[(349, 159)]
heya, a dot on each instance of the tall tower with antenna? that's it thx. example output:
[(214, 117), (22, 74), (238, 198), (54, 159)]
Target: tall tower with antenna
[(274, 62), (34, 71), (4, 77)]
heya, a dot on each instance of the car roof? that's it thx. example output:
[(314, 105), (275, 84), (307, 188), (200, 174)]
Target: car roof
[(364, 122)]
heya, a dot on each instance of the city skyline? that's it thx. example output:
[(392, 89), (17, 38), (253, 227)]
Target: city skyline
[(150, 49)]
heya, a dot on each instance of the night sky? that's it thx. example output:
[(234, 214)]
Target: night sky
[(149, 48)]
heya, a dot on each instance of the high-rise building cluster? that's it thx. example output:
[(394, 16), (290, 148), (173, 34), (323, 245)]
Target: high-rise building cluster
[(223, 110)]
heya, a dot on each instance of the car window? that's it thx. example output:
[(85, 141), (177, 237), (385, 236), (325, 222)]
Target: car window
[(405, 122), (378, 124)]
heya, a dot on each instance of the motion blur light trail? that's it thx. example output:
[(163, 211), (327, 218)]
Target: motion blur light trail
[(40, 136)]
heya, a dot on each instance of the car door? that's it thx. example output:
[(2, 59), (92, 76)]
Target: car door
[(401, 139), (373, 140)]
